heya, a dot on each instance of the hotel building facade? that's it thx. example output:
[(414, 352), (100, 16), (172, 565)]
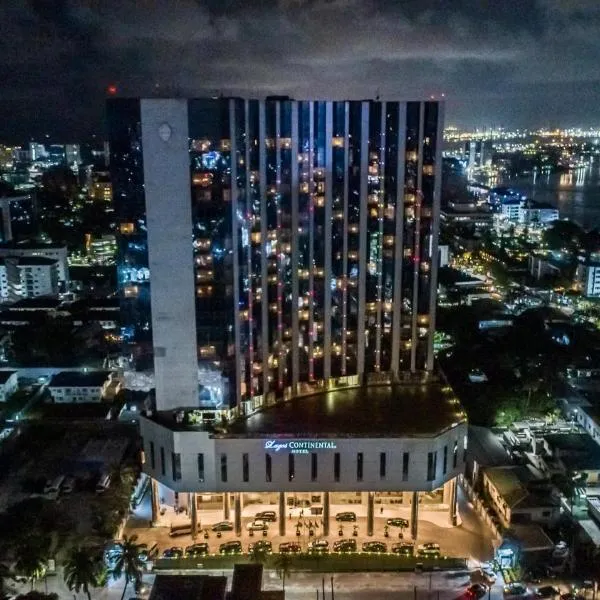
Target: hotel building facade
[(281, 258)]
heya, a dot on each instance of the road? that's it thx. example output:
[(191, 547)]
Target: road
[(301, 586), (347, 586)]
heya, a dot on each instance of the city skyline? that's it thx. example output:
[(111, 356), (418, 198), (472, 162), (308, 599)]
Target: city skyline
[(517, 63)]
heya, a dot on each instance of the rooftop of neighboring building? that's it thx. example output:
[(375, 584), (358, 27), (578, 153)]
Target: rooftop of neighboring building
[(29, 261), (512, 482), (5, 376), (486, 449), (31, 245), (531, 537), (42, 303), (450, 276), (577, 451), (189, 587), (79, 379)]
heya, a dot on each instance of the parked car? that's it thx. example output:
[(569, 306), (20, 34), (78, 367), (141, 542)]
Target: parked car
[(174, 552), (345, 516), (266, 515), (486, 574), (397, 522), (68, 485), (477, 590), (547, 591), (261, 546), (234, 547), (344, 546), (200, 549), (429, 549), (378, 547), (516, 590), (318, 547), (290, 548), (223, 526), (257, 525), (404, 549), (149, 552)]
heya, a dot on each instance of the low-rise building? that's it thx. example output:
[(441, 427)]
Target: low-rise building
[(574, 454), (8, 384), (72, 387), (28, 277), (587, 277), (57, 252), (521, 494)]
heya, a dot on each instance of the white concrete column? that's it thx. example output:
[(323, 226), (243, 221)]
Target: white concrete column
[(282, 513), (370, 512), (154, 500), (238, 513), (453, 502), (325, 513), (226, 510), (414, 515), (193, 505), (447, 492), (167, 187)]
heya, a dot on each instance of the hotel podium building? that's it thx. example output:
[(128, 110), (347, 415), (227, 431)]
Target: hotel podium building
[(280, 258)]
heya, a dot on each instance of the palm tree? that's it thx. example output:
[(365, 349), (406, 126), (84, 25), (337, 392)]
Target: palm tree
[(31, 562), (83, 569), (128, 562), (283, 567)]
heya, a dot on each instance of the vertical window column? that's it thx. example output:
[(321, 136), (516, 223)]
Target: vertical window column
[(336, 466), (224, 467), (405, 463), (201, 467), (245, 468)]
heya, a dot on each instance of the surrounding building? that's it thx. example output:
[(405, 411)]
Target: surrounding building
[(520, 494), (73, 387), (102, 250), (28, 277), (57, 252), (587, 277), (9, 382)]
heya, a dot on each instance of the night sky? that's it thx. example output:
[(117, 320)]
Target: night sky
[(510, 62)]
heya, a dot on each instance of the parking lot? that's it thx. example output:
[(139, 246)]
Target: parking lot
[(470, 539)]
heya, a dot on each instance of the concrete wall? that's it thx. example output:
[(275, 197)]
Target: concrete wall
[(170, 252), (190, 444)]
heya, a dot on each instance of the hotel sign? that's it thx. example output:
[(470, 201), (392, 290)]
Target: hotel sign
[(299, 446)]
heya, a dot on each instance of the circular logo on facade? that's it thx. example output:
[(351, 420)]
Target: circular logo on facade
[(164, 132)]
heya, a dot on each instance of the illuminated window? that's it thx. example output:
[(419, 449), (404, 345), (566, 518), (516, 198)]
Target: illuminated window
[(428, 170), (127, 228)]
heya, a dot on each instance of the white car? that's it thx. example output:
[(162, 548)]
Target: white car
[(488, 574), (257, 525)]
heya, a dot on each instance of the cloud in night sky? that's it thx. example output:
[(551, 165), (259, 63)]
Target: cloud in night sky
[(512, 62)]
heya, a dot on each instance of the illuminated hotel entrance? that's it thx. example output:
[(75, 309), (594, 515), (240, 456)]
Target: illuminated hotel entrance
[(307, 515)]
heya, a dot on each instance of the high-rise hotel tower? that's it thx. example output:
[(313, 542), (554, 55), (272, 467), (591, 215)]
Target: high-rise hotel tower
[(290, 246)]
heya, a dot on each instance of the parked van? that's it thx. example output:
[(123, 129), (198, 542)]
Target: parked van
[(68, 485), (53, 485), (177, 530), (103, 483)]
